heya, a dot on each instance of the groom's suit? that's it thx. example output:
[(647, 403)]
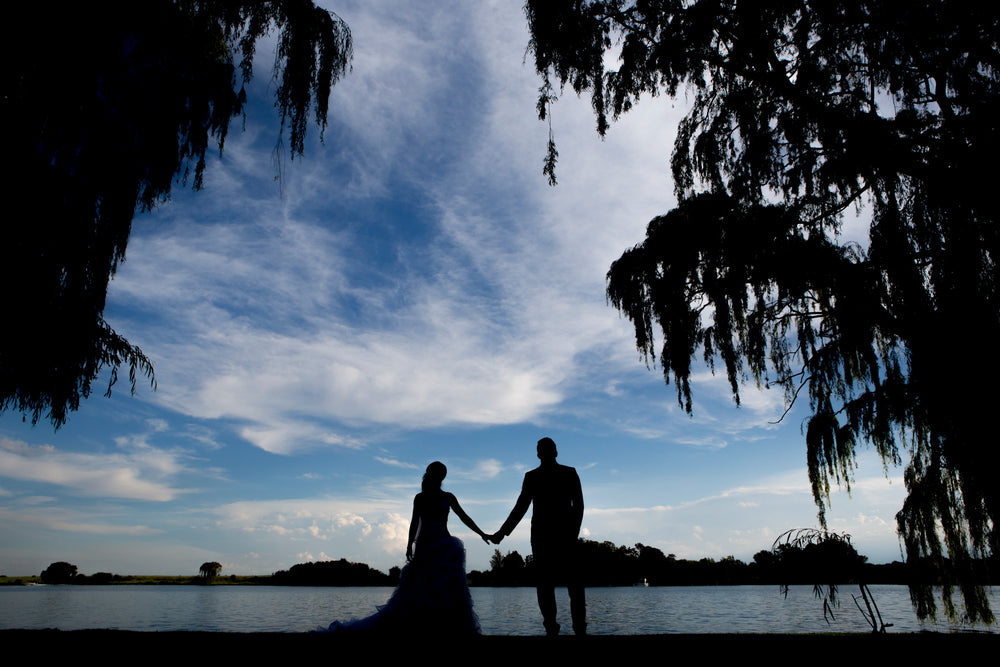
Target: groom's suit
[(557, 499)]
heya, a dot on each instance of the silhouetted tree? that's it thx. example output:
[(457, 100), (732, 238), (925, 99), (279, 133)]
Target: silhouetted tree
[(802, 110), (330, 573), (210, 570), (510, 569), (59, 572), (766, 565), (105, 107), (652, 563), (826, 560), (513, 570), (513, 562)]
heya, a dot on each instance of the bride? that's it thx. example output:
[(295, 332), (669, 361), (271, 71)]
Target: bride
[(433, 593)]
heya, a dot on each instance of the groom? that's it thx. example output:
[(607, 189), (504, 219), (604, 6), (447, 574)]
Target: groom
[(555, 492)]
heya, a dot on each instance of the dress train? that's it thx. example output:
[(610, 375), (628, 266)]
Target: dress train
[(432, 597)]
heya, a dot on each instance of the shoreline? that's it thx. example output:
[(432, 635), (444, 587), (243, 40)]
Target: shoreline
[(128, 645)]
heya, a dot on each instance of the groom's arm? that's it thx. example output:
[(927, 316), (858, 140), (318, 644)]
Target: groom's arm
[(577, 500), (516, 514)]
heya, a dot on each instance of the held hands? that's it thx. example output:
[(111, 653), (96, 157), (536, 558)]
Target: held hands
[(495, 538)]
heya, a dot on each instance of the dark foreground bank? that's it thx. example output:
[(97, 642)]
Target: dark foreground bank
[(121, 647)]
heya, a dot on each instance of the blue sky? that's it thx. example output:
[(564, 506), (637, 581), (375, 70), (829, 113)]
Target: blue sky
[(412, 290)]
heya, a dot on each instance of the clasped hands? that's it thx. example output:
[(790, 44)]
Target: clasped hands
[(493, 538)]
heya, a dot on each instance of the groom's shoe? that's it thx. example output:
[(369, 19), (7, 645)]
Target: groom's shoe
[(551, 628)]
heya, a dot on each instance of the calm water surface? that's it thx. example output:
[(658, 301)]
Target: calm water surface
[(502, 611)]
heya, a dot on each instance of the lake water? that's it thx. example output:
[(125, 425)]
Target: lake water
[(502, 611)]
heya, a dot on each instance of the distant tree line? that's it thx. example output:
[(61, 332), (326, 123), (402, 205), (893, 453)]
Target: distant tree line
[(326, 573), (603, 564), (608, 564)]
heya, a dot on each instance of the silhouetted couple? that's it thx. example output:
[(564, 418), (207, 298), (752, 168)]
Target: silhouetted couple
[(433, 593)]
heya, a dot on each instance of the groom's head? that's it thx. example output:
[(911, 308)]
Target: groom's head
[(547, 449)]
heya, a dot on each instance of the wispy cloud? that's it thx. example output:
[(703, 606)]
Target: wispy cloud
[(283, 436), (396, 463), (495, 316), (137, 474), (73, 523), (412, 289)]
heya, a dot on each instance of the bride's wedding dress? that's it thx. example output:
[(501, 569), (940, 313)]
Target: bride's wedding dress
[(433, 593)]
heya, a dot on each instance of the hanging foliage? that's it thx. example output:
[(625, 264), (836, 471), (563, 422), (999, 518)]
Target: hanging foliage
[(106, 106), (801, 111)]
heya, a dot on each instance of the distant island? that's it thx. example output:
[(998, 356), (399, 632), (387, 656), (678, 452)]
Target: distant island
[(606, 564)]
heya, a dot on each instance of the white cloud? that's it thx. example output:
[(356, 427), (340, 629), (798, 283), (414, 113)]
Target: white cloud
[(158, 425), (374, 531), (262, 327), (73, 523), (393, 532), (416, 275), (486, 469), (397, 464), (137, 475), (282, 436), (309, 517)]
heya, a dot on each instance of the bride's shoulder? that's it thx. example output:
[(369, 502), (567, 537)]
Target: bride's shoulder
[(432, 497)]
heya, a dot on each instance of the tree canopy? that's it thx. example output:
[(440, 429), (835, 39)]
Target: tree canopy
[(106, 107), (331, 573), (59, 572), (210, 570), (802, 111)]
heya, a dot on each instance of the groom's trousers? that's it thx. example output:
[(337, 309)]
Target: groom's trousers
[(558, 564)]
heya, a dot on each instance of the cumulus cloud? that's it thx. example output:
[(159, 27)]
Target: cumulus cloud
[(393, 532), (343, 521)]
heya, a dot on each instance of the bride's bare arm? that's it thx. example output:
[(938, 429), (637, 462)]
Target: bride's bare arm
[(466, 519), (414, 524)]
